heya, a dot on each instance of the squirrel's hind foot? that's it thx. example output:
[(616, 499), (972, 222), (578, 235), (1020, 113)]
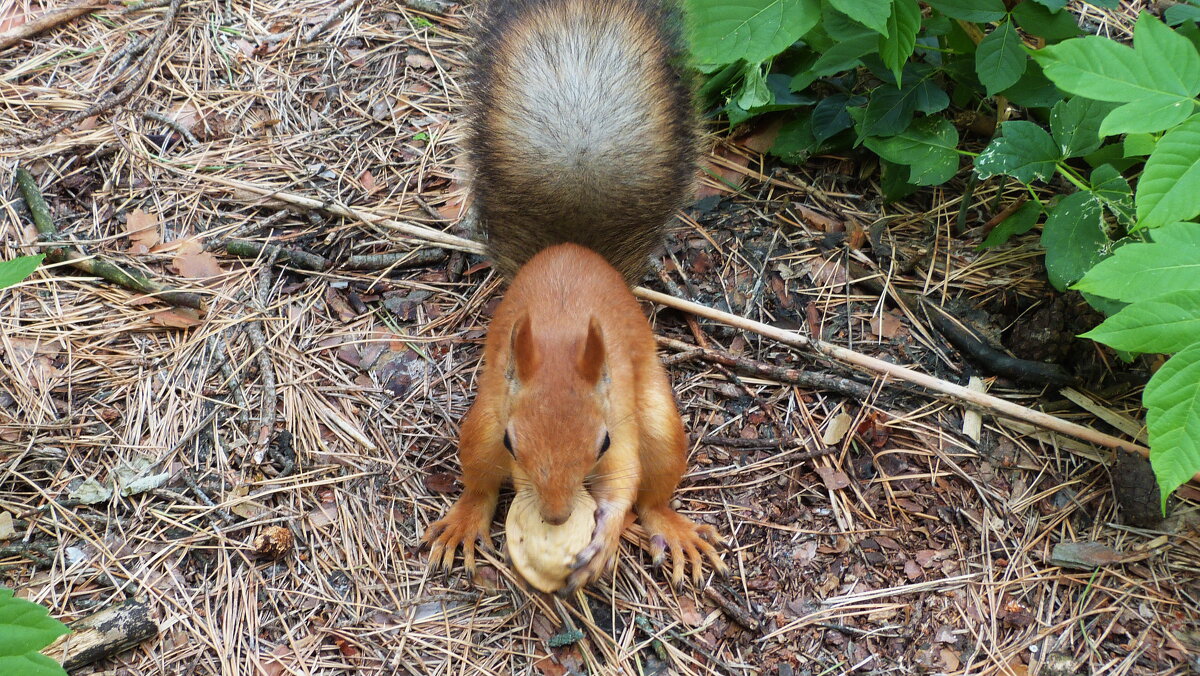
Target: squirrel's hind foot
[(686, 540)]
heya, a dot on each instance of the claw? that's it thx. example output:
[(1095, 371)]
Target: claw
[(658, 550), (690, 545)]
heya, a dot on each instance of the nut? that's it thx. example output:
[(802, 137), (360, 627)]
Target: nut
[(543, 553)]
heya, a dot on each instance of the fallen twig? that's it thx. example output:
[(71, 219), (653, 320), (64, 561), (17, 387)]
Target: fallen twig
[(301, 259), (987, 402), (103, 634), (111, 99), (821, 381), (334, 16), (733, 610), (63, 253), (965, 339), (49, 20)]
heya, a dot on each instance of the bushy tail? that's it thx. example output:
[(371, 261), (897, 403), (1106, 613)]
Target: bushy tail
[(581, 128)]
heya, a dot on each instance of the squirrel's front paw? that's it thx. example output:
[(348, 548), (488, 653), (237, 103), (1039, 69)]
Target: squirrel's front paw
[(600, 556), (685, 539), (467, 522)]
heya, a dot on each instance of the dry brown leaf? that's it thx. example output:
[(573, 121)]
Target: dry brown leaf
[(322, 515), (950, 659), (688, 613), (356, 57), (1084, 555), (442, 482), (345, 647), (176, 318), (827, 273), (724, 179), (274, 665), (142, 229), (6, 526), (548, 666), (837, 429), (834, 479), (419, 61), (763, 136), (452, 210), (12, 15), (887, 325), (191, 260), (185, 114), (367, 181)]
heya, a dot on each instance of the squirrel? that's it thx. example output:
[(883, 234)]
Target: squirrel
[(581, 143)]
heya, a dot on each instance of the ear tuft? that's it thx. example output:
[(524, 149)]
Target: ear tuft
[(524, 358), (592, 357)]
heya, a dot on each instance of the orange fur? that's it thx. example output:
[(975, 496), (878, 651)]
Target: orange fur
[(570, 357)]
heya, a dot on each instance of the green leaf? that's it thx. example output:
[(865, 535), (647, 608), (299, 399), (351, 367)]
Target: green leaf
[(1144, 270), (754, 92), (1172, 400), (1161, 63), (1074, 238), (1153, 113), (890, 110), (17, 269), (1025, 152), (873, 14), (1000, 60), (928, 148), (1170, 183), (1166, 323), (1110, 154), (837, 26), (892, 180), (979, 11), (1033, 90), (1052, 5), (1177, 14), (724, 31), (1111, 188), (1053, 26), (843, 55), (795, 140), (1075, 125), (830, 116), (901, 38), (26, 628), (1019, 222), (1138, 145)]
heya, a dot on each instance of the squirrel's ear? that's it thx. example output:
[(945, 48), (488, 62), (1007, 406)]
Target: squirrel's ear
[(591, 357), (524, 357)]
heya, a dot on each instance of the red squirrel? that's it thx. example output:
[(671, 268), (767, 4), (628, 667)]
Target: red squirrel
[(582, 146)]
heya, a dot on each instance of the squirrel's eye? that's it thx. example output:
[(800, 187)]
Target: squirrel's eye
[(508, 441), (604, 445)]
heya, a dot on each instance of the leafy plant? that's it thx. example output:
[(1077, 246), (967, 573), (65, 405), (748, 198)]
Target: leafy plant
[(26, 628), (1111, 127), (16, 270)]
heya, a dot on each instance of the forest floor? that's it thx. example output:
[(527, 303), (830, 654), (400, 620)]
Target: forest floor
[(873, 527)]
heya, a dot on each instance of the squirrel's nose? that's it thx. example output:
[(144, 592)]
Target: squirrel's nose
[(557, 519)]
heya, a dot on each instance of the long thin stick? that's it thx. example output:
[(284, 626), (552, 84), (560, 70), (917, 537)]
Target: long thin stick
[(94, 265), (995, 404), (48, 20)]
